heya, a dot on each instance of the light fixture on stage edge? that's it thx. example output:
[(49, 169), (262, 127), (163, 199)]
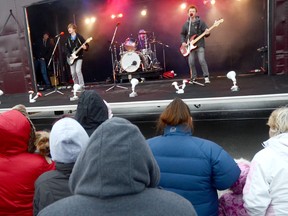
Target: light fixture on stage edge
[(76, 87), (180, 89), (33, 99), (232, 76), (133, 82), (1, 93)]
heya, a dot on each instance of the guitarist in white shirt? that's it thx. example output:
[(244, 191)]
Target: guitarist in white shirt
[(197, 27), (73, 43)]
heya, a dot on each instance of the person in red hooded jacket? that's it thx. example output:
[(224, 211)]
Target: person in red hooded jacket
[(19, 165)]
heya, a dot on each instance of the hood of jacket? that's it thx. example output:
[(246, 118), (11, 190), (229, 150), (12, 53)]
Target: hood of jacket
[(278, 144), (14, 132), (117, 161), (67, 139), (91, 111)]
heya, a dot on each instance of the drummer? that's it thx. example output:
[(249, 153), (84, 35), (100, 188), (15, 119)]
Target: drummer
[(142, 39)]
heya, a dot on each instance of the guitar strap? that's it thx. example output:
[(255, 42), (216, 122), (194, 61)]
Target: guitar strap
[(78, 41), (189, 29)]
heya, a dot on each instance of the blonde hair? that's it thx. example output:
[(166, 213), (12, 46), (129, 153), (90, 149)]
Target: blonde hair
[(278, 121), (72, 25)]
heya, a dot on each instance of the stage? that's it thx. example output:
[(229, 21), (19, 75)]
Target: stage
[(258, 95)]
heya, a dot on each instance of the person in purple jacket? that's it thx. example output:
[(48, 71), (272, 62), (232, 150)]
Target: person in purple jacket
[(193, 167)]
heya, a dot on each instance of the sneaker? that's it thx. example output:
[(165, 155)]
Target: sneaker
[(207, 80), (192, 80)]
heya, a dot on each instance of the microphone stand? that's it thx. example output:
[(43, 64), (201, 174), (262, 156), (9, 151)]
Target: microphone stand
[(54, 70), (113, 63)]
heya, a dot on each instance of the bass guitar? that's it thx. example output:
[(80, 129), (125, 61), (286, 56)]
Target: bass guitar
[(71, 59), (185, 50)]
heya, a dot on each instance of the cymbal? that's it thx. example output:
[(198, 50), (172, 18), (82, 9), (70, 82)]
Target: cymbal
[(154, 41), (144, 32)]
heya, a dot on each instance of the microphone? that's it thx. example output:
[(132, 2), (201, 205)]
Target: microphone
[(118, 24), (60, 34)]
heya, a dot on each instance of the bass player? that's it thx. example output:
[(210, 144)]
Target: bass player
[(195, 26), (74, 42)]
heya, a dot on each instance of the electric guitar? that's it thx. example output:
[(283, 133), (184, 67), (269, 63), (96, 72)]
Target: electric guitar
[(71, 59), (185, 50)]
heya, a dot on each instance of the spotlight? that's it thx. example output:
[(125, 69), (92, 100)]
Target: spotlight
[(183, 5), (33, 99), (180, 89), (113, 16), (133, 82), (120, 15), (232, 76), (76, 87), (1, 93), (213, 2), (144, 12)]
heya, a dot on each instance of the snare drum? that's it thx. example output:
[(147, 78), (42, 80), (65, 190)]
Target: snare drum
[(130, 44)]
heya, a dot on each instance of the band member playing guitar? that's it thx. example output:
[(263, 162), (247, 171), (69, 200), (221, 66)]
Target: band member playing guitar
[(195, 26), (75, 45)]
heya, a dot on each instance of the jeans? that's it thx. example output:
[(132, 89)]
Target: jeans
[(76, 72), (43, 69), (201, 57)]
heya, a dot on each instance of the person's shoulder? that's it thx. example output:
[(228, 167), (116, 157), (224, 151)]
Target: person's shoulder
[(171, 203), (46, 177)]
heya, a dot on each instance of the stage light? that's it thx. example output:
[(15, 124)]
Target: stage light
[(113, 16), (93, 19), (120, 15), (232, 76), (133, 82), (183, 5), (90, 20), (213, 2), (144, 12), (87, 21)]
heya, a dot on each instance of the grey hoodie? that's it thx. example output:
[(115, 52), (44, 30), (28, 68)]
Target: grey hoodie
[(117, 175)]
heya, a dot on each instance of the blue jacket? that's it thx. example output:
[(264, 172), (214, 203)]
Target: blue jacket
[(193, 167)]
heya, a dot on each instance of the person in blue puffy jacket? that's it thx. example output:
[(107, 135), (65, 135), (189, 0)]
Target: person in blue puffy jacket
[(193, 167)]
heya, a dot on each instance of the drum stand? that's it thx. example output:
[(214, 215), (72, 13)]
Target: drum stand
[(54, 70), (114, 63)]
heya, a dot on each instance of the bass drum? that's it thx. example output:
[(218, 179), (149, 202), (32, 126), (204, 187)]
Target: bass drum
[(130, 61)]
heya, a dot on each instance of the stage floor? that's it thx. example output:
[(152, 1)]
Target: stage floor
[(257, 92)]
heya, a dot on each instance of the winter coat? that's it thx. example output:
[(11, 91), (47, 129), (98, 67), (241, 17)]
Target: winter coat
[(18, 168), (231, 202), (193, 167), (52, 186), (266, 188), (116, 175), (67, 139)]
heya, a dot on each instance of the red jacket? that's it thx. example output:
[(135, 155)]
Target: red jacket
[(18, 168)]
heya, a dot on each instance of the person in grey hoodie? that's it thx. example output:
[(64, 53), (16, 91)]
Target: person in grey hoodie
[(91, 111), (117, 175), (67, 139)]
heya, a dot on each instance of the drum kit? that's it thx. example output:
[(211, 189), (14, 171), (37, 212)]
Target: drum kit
[(137, 55)]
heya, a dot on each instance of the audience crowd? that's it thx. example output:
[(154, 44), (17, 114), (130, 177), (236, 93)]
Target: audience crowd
[(83, 167)]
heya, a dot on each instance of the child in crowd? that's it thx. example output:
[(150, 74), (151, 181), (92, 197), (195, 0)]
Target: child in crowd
[(231, 202)]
